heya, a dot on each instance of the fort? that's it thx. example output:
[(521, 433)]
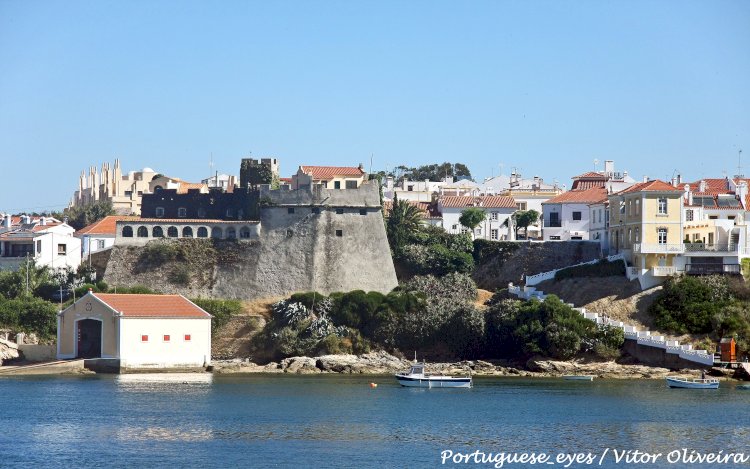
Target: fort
[(319, 239)]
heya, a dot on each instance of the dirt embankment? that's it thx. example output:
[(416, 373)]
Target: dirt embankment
[(616, 297), (234, 339)]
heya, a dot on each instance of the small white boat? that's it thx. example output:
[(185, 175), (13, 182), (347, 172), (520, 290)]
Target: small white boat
[(417, 378), (695, 383), (579, 377)]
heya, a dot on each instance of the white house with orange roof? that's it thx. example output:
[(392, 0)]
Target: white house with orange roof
[(567, 216), (497, 224), (329, 177), (136, 331), (599, 223), (100, 235), (45, 240)]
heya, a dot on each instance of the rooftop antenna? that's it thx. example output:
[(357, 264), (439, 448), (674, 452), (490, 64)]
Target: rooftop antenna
[(596, 164), (739, 164), (211, 164), (501, 168)]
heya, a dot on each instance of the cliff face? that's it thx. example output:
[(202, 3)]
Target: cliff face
[(531, 259), (331, 240)]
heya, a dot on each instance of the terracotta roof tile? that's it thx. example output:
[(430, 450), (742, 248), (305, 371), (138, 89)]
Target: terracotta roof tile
[(588, 196), (714, 186), (152, 306), (655, 185), (330, 172), (486, 201), (427, 209), (105, 226), (591, 175)]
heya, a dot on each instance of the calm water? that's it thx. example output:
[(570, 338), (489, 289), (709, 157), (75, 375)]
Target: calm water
[(339, 421)]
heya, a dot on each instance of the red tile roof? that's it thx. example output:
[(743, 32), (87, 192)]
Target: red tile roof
[(427, 209), (588, 196), (714, 186), (330, 172), (486, 201), (185, 186), (152, 306), (105, 226), (591, 175), (650, 186)]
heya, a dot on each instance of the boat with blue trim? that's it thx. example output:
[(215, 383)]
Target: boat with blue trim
[(417, 378)]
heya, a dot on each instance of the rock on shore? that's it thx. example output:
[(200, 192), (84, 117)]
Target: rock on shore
[(8, 350)]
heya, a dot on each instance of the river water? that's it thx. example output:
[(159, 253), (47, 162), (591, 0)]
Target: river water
[(177, 420)]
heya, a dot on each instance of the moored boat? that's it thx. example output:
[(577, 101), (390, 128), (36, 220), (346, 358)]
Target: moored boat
[(417, 378), (695, 383)]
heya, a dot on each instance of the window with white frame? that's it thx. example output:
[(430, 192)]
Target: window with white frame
[(577, 216), (688, 215), (661, 205), (159, 212), (494, 216), (662, 235), (99, 244), (494, 234), (182, 212), (637, 206), (521, 205)]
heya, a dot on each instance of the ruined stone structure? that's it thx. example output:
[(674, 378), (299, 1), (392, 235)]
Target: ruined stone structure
[(323, 240)]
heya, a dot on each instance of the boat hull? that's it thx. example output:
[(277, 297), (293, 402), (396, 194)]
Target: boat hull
[(434, 382), (578, 377), (694, 384)]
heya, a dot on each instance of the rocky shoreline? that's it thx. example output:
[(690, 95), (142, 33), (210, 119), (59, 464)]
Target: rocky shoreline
[(381, 363)]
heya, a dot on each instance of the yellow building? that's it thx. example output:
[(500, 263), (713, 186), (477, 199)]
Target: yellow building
[(646, 226)]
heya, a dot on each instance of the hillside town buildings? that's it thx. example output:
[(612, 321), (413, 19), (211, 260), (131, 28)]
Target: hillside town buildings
[(46, 241)]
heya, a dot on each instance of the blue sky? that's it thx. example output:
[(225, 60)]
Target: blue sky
[(544, 86)]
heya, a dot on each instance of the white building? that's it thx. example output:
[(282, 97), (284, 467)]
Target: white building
[(599, 223), (496, 226), (427, 191), (138, 331), (46, 241), (100, 235), (567, 216), (109, 184)]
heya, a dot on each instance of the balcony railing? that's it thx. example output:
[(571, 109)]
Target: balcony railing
[(553, 224), (648, 248), (712, 269), (703, 247), (660, 271)]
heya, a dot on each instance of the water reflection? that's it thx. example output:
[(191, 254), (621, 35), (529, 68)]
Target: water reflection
[(129, 434), (195, 383)]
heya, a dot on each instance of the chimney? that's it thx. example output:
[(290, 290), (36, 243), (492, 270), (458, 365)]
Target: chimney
[(609, 167), (42, 221), (645, 178), (742, 192), (679, 179), (688, 195), (702, 186), (6, 221)]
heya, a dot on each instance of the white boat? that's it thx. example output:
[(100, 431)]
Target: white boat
[(695, 383), (579, 377), (417, 378)]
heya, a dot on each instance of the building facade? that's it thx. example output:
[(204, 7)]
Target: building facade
[(124, 191), (497, 224), (44, 240)]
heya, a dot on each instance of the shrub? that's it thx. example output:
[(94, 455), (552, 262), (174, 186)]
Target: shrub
[(603, 268), (159, 252), (179, 275), (689, 304), (465, 332), (220, 310)]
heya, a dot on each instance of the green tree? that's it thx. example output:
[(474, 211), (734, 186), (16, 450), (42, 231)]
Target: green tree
[(524, 218), (80, 217), (404, 221), (471, 217)]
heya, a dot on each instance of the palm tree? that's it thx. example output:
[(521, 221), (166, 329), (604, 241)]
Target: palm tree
[(404, 221)]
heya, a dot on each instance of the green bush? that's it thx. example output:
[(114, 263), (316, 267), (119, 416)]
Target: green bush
[(31, 315), (137, 290), (158, 252), (221, 310), (688, 304), (179, 275)]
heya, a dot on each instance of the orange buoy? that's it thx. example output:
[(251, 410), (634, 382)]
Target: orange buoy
[(373, 385)]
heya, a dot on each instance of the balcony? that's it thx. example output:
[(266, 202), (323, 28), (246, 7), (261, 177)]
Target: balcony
[(703, 247), (663, 271), (712, 269), (653, 248), (553, 224)]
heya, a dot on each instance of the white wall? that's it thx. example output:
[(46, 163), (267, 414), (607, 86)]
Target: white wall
[(484, 230), (48, 256), (156, 353), (90, 243), (570, 227)]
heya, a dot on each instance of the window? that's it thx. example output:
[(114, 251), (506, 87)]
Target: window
[(662, 233), (182, 212), (637, 235), (187, 232), (38, 247), (493, 235), (230, 213), (187, 337), (316, 210), (127, 231), (99, 244), (231, 233), (576, 215), (289, 233), (409, 188), (662, 205), (290, 210), (622, 207), (554, 238), (144, 338), (337, 185), (159, 212), (128, 193), (203, 232), (157, 232), (142, 232), (166, 337), (637, 206), (62, 249), (216, 232), (351, 184), (339, 211), (455, 227), (478, 231), (521, 205), (493, 216), (339, 233), (244, 232), (688, 215), (201, 213), (172, 231), (363, 211)]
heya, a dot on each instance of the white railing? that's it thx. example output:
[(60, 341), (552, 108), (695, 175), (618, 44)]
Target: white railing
[(685, 351), (657, 248), (661, 271), (541, 277)]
